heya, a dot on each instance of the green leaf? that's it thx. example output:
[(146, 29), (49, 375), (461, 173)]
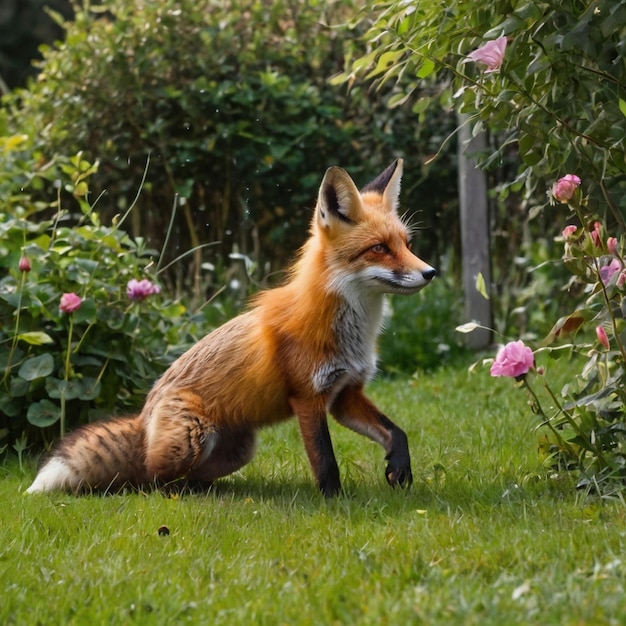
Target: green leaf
[(421, 105), (10, 406), (622, 106), (82, 189), (18, 387), (86, 312), (426, 69), (385, 62), (43, 413), (398, 99), (481, 287), (69, 389), (37, 367), (35, 338), (90, 388)]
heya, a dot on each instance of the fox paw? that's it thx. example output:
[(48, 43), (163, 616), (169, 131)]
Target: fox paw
[(399, 476)]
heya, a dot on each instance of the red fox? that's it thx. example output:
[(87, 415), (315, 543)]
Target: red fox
[(305, 348)]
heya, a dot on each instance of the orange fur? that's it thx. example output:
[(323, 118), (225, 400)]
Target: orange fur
[(305, 348)]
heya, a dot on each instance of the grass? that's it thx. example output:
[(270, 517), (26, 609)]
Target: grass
[(483, 537)]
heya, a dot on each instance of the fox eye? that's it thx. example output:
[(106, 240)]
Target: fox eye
[(380, 248)]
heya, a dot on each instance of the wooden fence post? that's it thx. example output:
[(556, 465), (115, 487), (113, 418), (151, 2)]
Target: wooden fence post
[(474, 234)]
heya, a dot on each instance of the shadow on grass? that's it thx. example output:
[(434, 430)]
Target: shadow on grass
[(463, 491), (456, 493)]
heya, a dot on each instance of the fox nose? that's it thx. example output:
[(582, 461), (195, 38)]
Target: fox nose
[(429, 274)]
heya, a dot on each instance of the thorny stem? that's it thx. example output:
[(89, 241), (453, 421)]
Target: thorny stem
[(547, 420), (572, 422)]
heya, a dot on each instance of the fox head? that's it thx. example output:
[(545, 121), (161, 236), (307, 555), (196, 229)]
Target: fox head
[(366, 244)]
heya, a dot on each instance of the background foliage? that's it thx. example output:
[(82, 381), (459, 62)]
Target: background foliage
[(230, 102)]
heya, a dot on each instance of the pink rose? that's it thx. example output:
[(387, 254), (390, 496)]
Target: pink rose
[(70, 302), (596, 235), (24, 264), (490, 54), (514, 360), (564, 188), (608, 271), (602, 336), (141, 289), (569, 231)]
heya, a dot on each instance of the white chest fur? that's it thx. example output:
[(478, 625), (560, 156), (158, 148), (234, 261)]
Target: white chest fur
[(356, 326)]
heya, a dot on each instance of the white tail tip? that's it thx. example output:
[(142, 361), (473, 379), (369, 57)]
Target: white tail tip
[(55, 474)]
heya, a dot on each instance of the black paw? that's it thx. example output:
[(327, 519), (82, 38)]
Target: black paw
[(330, 486), (401, 476)]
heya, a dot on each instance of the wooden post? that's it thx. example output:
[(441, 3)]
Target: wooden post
[(474, 234)]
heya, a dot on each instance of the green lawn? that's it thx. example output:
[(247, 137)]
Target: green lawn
[(483, 537)]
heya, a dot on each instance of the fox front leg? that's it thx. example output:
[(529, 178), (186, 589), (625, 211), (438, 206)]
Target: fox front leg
[(319, 447), (354, 410)]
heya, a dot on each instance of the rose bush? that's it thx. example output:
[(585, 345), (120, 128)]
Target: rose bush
[(584, 432), (490, 54)]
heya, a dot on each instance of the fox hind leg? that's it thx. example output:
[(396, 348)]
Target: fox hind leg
[(232, 451), (179, 437)]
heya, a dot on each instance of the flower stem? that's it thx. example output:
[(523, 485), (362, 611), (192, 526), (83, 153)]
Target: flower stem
[(548, 421), (7, 368), (67, 374)]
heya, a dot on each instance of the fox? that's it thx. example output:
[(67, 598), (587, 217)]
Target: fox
[(305, 348)]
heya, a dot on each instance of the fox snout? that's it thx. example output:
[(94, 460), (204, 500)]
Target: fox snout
[(429, 274), (420, 276)]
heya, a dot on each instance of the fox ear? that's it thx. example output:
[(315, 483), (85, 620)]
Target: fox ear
[(387, 184), (338, 198)]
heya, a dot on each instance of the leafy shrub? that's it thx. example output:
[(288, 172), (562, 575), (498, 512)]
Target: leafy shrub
[(60, 368)]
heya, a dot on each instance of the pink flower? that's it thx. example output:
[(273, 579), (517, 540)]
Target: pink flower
[(612, 246), (569, 231), (70, 302), (608, 271), (514, 360), (596, 235), (564, 188), (621, 279), (602, 336), (490, 54), (24, 264), (141, 289)]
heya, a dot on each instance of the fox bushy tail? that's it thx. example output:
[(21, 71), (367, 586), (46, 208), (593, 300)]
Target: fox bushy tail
[(102, 456)]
